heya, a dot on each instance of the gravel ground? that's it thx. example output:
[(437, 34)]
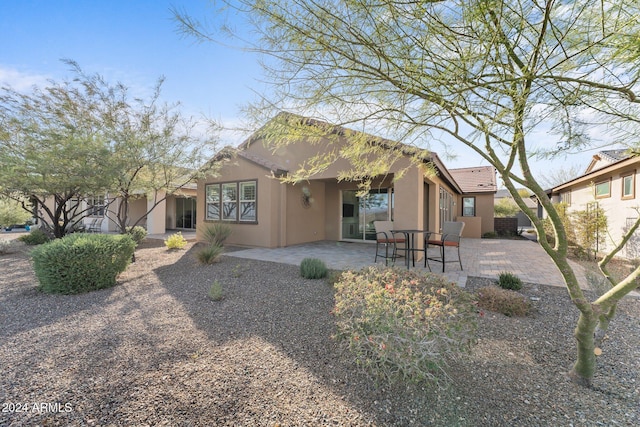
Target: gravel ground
[(154, 350)]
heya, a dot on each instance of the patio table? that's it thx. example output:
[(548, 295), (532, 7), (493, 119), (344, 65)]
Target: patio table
[(409, 235)]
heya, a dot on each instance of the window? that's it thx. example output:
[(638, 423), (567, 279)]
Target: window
[(603, 189), (248, 201), (628, 187), (566, 197), (468, 206), (95, 206), (231, 201), (446, 205), (212, 201)]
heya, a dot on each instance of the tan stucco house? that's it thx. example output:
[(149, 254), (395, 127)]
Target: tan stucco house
[(264, 212), (609, 182)]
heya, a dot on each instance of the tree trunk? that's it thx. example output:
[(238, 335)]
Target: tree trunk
[(585, 366)]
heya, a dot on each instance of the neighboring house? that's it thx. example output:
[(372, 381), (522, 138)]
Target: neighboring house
[(265, 212), (523, 220), (609, 182)]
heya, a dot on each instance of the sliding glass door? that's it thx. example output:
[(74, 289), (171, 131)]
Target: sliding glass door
[(185, 213), (359, 213)]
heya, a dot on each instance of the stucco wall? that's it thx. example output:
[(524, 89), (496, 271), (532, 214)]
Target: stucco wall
[(266, 232), (619, 212)]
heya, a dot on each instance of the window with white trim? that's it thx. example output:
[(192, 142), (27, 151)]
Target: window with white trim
[(95, 206), (231, 201), (603, 189), (628, 186)]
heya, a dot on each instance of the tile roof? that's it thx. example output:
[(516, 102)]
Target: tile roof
[(266, 163), (480, 179), (615, 155)]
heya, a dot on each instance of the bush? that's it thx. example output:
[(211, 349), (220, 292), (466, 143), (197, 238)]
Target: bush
[(313, 268), (402, 325), (508, 280), (5, 246), (210, 254), (175, 241), (505, 301), (35, 237), (216, 292), (137, 233), (216, 233), (81, 262)]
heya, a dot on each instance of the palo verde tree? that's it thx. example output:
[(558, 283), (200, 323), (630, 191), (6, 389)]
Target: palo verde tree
[(484, 73), (154, 149), (89, 137), (52, 152)]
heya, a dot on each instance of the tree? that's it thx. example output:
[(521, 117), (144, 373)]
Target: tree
[(90, 138), (155, 150), (484, 73), (505, 208), (52, 152)]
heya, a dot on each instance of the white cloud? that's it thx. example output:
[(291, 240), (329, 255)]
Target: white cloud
[(19, 80)]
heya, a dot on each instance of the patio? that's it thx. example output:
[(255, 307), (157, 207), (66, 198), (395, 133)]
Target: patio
[(480, 258)]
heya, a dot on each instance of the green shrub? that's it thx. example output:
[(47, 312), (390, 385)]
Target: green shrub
[(505, 301), (313, 268), (137, 233), (176, 241), (210, 254), (81, 262), (402, 325), (35, 237), (216, 293), (508, 280), (490, 235), (216, 233)]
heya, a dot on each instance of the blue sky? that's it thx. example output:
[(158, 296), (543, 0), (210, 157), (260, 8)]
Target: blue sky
[(136, 42)]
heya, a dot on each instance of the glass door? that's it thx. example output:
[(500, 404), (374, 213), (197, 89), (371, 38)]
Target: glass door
[(359, 213), (185, 213)]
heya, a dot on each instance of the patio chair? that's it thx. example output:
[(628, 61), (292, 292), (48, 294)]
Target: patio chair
[(387, 239), (448, 238), (95, 226)]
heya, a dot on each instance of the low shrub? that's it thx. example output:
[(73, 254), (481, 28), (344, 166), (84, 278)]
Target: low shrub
[(35, 237), (209, 254), (505, 301), (402, 325), (81, 262), (508, 280), (216, 233), (137, 233), (216, 293), (313, 268), (176, 241), (490, 235), (5, 246)]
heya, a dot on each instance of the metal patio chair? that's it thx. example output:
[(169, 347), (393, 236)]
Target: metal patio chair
[(448, 238), (387, 239)]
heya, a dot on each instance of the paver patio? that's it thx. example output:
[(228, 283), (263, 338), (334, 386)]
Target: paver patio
[(480, 258)]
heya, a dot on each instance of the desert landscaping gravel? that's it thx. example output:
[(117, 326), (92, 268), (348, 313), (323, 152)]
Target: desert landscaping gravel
[(156, 351)]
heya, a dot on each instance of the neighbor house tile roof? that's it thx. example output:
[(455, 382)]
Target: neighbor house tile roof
[(480, 179), (606, 157)]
